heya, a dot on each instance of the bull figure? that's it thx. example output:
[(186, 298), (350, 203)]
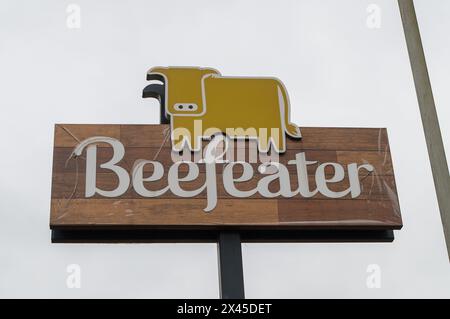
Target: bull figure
[(240, 107)]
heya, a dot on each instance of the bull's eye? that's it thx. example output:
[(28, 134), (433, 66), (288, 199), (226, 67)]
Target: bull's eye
[(185, 106)]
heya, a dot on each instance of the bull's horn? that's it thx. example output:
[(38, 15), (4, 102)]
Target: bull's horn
[(157, 91)]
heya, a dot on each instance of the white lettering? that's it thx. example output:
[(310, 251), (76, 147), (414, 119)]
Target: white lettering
[(353, 176), (229, 181), (280, 173), (302, 175), (272, 172), (138, 178), (322, 181), (91, 166)]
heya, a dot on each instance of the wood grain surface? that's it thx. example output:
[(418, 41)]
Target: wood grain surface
[(377, 207)]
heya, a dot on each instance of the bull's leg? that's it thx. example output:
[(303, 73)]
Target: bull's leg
[(279, 139), (276, 140), (194, 142), (263, 144), (178, 140), (180, 135)]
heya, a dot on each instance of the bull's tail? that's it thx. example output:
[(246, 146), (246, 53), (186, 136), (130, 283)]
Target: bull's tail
[(290, 128)]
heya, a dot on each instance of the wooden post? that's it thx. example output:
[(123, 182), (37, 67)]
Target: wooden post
[(428, 113)]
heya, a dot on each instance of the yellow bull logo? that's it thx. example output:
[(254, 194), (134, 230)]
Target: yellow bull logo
[(239, 107)]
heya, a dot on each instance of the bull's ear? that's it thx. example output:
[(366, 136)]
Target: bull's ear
[(156, 74), (210, 71)]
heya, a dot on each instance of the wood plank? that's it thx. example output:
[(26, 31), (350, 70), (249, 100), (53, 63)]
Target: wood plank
[(317, 138), (380, 160), (160, 212), (338, 138), (69, 135), (335, 213), (372, 187), (293, 213), (145, 135)]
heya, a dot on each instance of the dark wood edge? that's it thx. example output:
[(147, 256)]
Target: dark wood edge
[(210, 236)]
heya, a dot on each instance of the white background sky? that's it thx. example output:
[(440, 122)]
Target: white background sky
[(338, 73)]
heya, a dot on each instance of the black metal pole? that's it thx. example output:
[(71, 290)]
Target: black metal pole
[(231, 274)]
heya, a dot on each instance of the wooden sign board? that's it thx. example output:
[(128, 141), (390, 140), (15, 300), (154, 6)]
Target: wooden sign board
[(376, 207)]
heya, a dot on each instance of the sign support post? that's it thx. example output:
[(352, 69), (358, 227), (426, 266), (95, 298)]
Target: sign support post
[(231, 275), (428, 113)]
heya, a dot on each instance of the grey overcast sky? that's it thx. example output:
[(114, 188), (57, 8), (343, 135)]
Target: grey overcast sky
[(338, 72)]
